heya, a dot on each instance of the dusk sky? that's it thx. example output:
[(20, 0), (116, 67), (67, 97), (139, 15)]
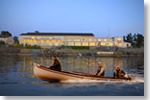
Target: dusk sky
[(103, 18)]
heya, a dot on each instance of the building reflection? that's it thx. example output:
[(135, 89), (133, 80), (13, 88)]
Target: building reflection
[(78, 64), (71, 64)]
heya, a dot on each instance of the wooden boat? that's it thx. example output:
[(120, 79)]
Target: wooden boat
[(47, 74)]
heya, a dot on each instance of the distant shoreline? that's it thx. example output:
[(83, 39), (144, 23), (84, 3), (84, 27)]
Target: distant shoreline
[(128, 52)]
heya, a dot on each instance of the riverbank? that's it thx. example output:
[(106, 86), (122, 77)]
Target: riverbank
[(18, 51), (121, 52)]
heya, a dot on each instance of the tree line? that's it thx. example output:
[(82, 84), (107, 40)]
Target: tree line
[(136, 39)]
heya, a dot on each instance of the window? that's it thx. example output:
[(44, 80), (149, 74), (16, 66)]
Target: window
[(76, 39), (49, 38), (103, 44), (99, 39), (33, 37), (85, 43), (90, 39), (119, 39), (69, 39), (92, 44), (70, 43), (77, 43), (105, 40)]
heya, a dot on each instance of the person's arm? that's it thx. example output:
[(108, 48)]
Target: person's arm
[(102, 70), (122, 73), (53, 66), (114, 74), (97, 71), (56, 63)]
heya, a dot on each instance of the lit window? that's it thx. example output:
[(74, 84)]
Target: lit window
[(99, 39)]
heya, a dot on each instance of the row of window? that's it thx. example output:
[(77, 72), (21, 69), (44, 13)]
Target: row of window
[(49, 41), (54, 43), (71, 40)]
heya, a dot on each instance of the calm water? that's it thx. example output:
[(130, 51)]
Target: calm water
[(17, 78)]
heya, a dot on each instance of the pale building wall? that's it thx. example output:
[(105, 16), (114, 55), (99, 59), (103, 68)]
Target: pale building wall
[(7, 40), (68, 40)]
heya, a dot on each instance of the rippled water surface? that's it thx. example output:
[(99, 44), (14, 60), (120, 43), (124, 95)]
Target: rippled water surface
[(17, 78)]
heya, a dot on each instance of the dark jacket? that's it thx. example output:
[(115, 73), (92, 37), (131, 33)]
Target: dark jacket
[(119, 73), (56, 66), (100, 71)]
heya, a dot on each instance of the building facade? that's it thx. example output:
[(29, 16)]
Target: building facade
[(69, 39), (7, 39)]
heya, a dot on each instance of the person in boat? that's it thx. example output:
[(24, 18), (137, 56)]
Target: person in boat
[(118, 73), (56, 64), (100, 70)]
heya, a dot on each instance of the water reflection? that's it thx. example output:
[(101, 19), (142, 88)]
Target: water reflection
[(20, 68)]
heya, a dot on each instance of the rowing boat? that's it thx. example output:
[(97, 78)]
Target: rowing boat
[(46, 74)]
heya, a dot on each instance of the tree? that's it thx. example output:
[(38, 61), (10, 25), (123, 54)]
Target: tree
[(136, 40), (140, 40), (36, 31), (5, 34), (124, 39), (16, 41), (2, 42), (129, 38)]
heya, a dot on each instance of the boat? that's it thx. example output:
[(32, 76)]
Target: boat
[(46, 74)]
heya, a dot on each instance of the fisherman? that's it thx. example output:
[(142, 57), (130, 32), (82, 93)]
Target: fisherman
[(118, 73), (100, 70), (56, 64)]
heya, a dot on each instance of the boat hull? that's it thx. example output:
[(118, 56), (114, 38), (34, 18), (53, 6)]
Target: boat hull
[(47, 74)]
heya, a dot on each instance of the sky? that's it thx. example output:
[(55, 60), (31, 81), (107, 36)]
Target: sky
[(103, 18)]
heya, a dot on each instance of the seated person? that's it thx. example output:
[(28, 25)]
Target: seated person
[(56, 64), (100, 70), (118, 73)]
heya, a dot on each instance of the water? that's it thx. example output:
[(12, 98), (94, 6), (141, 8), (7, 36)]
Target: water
[(17, 78)]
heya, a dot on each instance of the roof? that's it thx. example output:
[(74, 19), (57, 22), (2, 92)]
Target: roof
[(62, 34)]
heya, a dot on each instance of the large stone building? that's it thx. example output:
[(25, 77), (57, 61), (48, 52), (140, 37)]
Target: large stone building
[(69, 39)]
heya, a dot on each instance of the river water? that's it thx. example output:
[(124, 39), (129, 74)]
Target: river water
[(17, 78)]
